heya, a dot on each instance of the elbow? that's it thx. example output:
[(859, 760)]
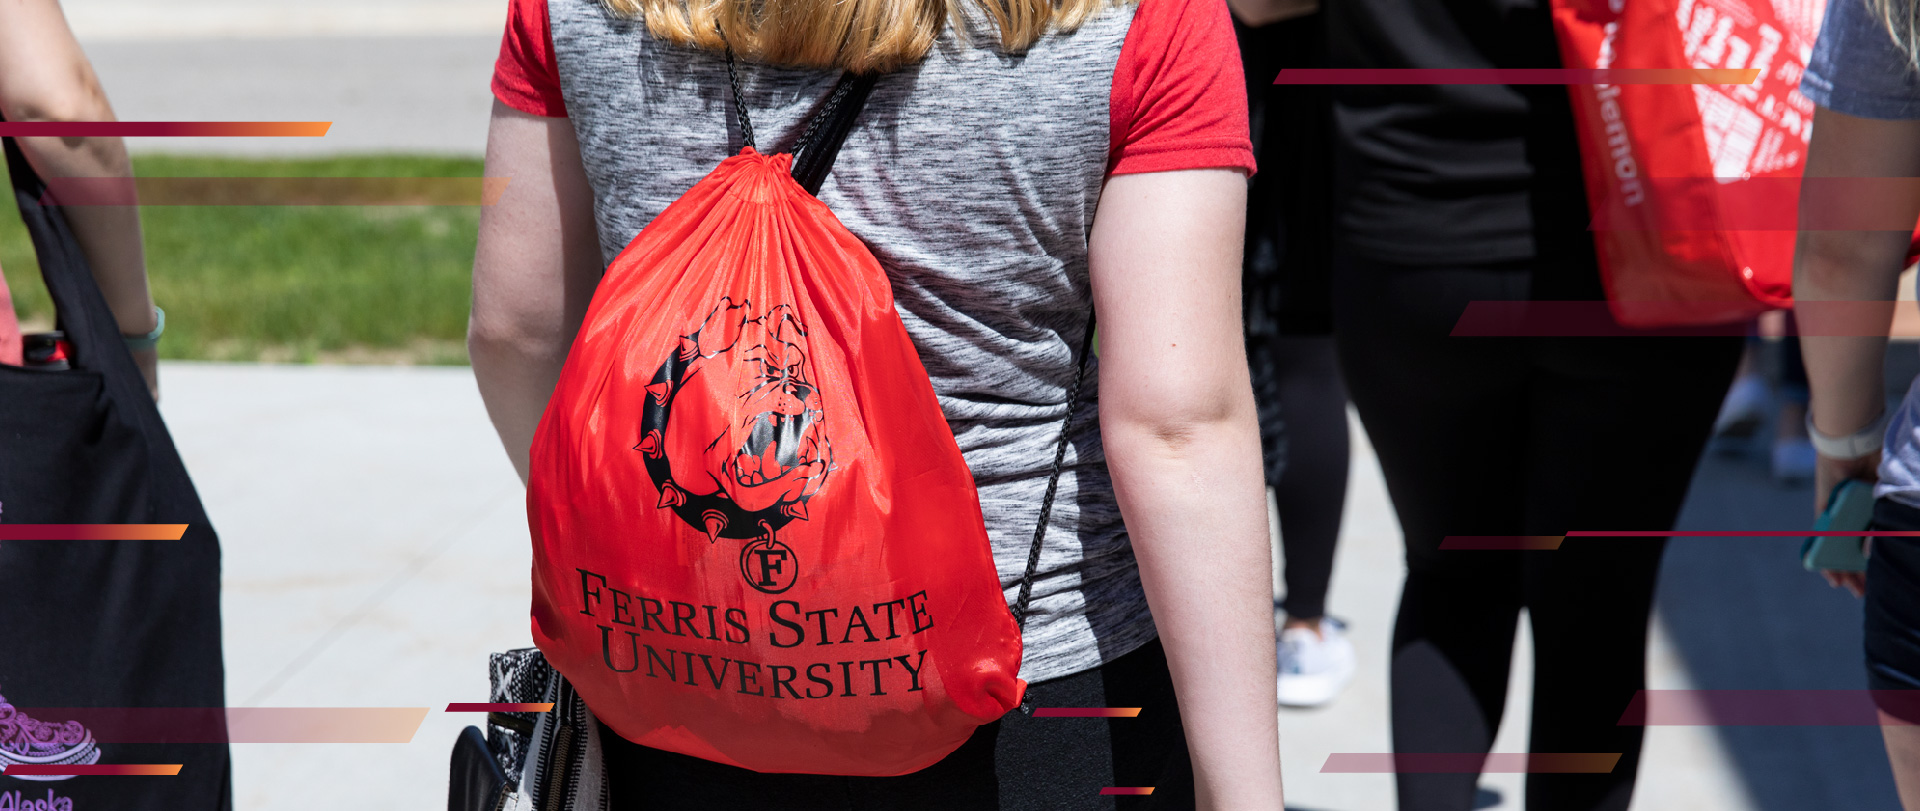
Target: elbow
[(81, 99), (510, 336), (1176, 424), (1845, 262)]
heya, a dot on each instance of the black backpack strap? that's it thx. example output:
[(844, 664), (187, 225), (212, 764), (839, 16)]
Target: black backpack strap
[(817, 148), (80, 309), (826, 131)]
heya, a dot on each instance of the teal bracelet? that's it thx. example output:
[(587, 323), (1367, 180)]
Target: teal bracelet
[(147, 341)]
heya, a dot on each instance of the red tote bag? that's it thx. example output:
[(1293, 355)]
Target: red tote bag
[(1692, 188), (755, 540)]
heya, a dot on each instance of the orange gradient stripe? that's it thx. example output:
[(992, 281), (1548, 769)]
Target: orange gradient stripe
[(1086, 712), (274, 191), (241, 724), (1527, 543), (1776, 708), (1128, 790), (1530, 76), (92, 532), (324, 724), (164, 129), (476, 707), (77, 770), (1470, 763)]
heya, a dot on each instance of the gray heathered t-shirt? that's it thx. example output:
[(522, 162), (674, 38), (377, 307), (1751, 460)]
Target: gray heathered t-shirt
[(973, 176)]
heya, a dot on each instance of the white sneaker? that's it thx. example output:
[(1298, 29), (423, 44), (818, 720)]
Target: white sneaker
[(1314, 667), (1793, 460), (1744, 409)]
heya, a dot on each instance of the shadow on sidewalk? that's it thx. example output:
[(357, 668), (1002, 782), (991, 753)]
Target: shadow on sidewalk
[(1744, 615)]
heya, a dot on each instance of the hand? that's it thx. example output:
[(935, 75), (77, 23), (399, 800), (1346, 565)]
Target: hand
[(149, 362), (1827, 473), (1854, 582)]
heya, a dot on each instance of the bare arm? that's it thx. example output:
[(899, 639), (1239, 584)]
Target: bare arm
[(44, 76), (1852, 265), (1177, 417), (534, 271), (1860, 266)]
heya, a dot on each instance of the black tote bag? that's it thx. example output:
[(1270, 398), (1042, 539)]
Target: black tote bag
[(100, 624)]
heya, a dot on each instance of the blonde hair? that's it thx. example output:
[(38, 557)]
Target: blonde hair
[(858, 35), (1902, 20)]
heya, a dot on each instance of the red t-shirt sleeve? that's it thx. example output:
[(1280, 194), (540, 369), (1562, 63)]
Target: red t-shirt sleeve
[(1179, 99), (526, 77)]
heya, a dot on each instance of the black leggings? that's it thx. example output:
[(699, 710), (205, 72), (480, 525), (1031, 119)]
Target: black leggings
[(1019, 763), (1521, 436), (1303, 434)]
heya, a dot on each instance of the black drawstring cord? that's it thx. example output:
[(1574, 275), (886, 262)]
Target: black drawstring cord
[(739, 103), (1053, 485)]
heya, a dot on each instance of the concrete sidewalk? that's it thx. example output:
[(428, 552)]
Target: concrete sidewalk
[(376, 551)]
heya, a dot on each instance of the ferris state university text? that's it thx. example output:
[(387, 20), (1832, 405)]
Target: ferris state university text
[(865, 637)]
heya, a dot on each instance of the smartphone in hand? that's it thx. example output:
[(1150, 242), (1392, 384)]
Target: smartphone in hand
[(1849, 509)]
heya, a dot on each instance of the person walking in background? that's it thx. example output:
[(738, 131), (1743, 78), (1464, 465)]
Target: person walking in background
[(1286, 294), (1448, 194), (1756, 396), (1867, 125), (95, 621), (1004, 196), (44, 76)]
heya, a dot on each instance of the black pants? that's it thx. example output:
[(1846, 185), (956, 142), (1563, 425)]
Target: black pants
[(1892, 615), (1303, 436), (1018, 763), (1521, 436)]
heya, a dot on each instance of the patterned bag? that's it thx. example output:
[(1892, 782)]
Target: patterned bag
[(530, 760)]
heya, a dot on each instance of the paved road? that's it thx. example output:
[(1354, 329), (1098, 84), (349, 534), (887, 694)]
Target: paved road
[(376, 551), (393, 76)]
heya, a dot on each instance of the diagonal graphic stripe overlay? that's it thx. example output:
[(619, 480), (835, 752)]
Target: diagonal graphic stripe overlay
[(274, 191), (1745, 533), (1533, 543), (91, 769), (477, 707), (92, 532), (1552, 542), (1470, 763), (164, 129), (1765, 204), (1595, 319), (240, 724), (1781, 708), (1086, 712), (1558, 76), (1127, 790)]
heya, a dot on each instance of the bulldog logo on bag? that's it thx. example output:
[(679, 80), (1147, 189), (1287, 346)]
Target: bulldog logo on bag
[(746, 474), (755, 539)]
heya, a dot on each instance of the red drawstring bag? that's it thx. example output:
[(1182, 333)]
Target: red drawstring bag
[(1692, 188), (755, 540)]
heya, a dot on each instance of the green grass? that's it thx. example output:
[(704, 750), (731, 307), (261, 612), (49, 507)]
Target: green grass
[(293, 283)]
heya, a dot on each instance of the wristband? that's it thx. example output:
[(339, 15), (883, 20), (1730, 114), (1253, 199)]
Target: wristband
[(1852, 446), (147, 341)]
